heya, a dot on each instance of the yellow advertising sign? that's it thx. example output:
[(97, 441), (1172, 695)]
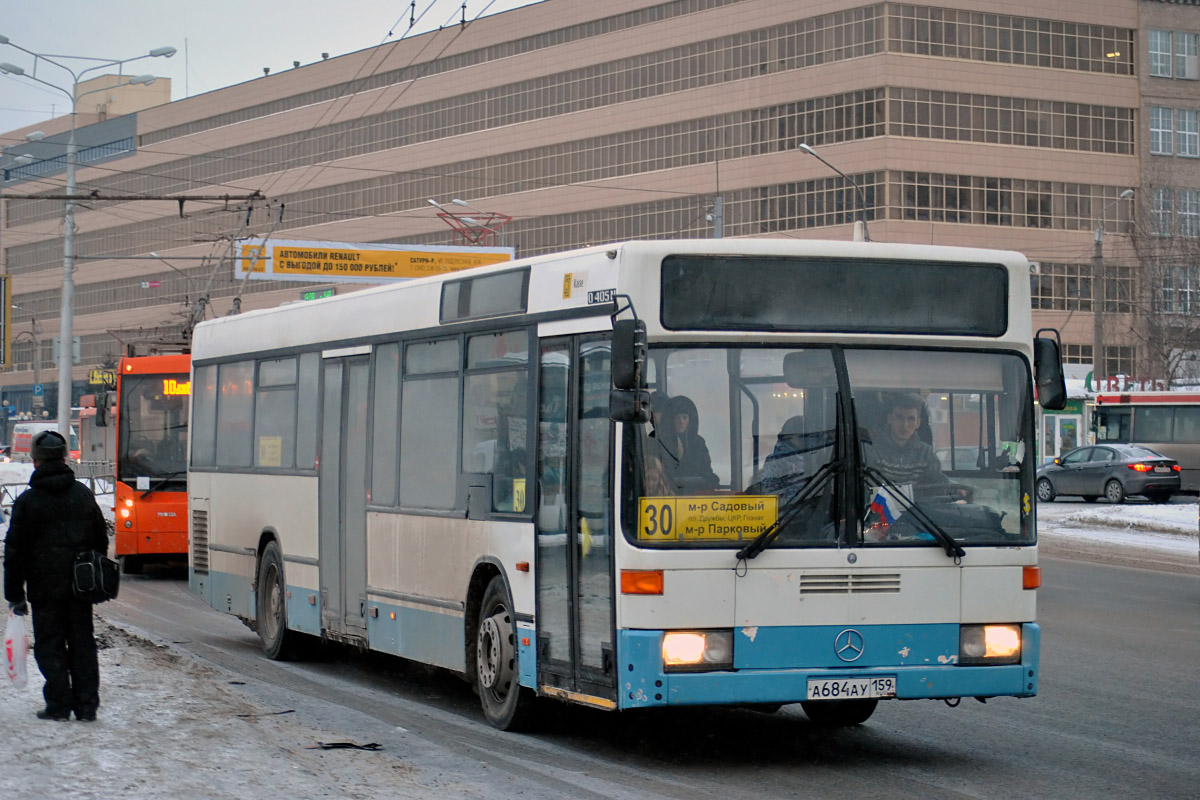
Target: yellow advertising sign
[(690, 519), (332, 262)]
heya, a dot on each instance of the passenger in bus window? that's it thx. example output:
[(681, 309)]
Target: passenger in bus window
[(687, 461), (656, 483), (785, 470)]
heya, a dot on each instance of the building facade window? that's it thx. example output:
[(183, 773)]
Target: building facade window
[(1187, 133), (1173, 54), (1185, 56), (1063, 287), (1189, 212), (1160, 53), (1077, 353), (1161, 130), (1160, 212)]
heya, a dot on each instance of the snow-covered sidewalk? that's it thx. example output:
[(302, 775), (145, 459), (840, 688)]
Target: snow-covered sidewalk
[(168, 726)]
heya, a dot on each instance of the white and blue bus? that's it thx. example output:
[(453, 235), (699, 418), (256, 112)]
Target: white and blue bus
[(654, 473)]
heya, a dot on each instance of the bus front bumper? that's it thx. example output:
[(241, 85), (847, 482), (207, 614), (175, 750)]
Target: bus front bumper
[(645, 684)]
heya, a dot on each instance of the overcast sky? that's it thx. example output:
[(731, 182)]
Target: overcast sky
[(219, 42)]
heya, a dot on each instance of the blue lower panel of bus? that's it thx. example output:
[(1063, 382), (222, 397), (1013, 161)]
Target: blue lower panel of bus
[(920, 657), (420, 634)]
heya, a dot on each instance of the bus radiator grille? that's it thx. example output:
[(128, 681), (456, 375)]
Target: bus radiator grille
[(888, 583)]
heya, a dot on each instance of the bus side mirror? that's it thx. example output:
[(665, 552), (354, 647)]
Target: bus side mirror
[(1048, 374), (629, 354), (629, 405)]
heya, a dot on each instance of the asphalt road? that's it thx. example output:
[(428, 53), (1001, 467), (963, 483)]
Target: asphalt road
[(1116, 715)]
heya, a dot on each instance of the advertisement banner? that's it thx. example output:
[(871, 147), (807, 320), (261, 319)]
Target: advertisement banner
[(342, 262)]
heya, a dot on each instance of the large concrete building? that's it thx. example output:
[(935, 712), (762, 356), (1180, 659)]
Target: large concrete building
[(588, 122)]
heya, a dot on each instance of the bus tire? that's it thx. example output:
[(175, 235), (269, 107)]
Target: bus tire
[(838, 713), (506, 704), (278, 643), (1114, 492), (131, 565)]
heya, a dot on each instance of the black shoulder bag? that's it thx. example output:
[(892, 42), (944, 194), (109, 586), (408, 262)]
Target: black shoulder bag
[(97, 577)]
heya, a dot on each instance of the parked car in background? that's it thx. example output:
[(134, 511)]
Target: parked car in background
[(1109, 471)]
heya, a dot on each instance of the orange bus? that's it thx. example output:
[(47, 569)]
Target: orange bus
[(153, 393)]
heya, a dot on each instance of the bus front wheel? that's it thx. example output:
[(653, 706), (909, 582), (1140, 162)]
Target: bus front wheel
[(839, 713), (506, 704), (277, 641)]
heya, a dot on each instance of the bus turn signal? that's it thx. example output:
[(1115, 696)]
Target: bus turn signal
[(635, 581), (1031, 577)]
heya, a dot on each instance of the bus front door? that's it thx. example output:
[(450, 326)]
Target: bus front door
[(342, 540), (575, 606)]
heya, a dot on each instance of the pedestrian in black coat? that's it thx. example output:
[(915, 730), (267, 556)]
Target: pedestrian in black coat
[(52, 521)]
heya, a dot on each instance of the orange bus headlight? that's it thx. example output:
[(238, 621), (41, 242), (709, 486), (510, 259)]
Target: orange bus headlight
[(989, 644), (697, 651)]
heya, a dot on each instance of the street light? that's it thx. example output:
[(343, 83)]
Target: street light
[(1099, 282), (35, 337), (66, 332), (862, 202)]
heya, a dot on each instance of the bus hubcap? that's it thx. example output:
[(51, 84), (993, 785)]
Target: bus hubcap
[(495, 653)]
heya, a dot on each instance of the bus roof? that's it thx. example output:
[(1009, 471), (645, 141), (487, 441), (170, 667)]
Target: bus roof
[(566, 284), (1147, 398), (155, 365)]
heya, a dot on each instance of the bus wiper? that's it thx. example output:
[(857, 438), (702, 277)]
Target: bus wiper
[(161, 482), (952, 548), (790, 510)]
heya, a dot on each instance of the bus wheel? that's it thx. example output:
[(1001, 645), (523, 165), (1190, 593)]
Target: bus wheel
[(506, 704), (131, 565), (1114, 492), (272, 608), (839, 713)]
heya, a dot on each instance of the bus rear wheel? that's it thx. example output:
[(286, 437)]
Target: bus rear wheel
[(277, 642), (131, 565), (839, 713), (506, 704)]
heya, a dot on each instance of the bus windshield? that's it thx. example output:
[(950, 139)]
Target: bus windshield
[(152, 418), (749, 437)]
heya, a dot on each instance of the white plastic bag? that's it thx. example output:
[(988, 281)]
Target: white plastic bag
[(16, 651)]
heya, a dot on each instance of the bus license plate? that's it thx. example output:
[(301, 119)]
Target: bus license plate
[(851, 688)]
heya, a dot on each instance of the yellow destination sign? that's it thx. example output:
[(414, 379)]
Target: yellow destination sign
[(331, 262), (725, 518)]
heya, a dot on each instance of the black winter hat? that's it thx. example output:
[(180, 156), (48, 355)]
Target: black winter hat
[(48, 446)]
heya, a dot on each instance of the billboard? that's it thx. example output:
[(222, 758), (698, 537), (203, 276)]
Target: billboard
[(342, 262)]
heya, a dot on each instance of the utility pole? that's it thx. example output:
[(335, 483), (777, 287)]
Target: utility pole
[(1099, 368), (1099, 290), (717, 217)]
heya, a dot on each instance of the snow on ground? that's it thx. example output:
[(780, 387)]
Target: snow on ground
[(168, 724)]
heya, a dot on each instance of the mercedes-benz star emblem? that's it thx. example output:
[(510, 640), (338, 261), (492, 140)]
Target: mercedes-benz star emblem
[(849, 645)]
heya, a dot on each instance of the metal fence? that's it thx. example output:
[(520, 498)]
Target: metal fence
[(98, 476)]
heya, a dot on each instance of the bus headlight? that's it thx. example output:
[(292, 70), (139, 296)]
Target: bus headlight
[(989, 644), (697, 651)]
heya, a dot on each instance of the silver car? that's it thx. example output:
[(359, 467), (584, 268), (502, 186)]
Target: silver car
[(1110, 471)]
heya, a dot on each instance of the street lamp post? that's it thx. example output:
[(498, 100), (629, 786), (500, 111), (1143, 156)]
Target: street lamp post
[(1099, 282), (66, 332), (861, 224)]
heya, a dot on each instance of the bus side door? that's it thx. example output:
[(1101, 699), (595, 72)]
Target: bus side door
[(575, 607)]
